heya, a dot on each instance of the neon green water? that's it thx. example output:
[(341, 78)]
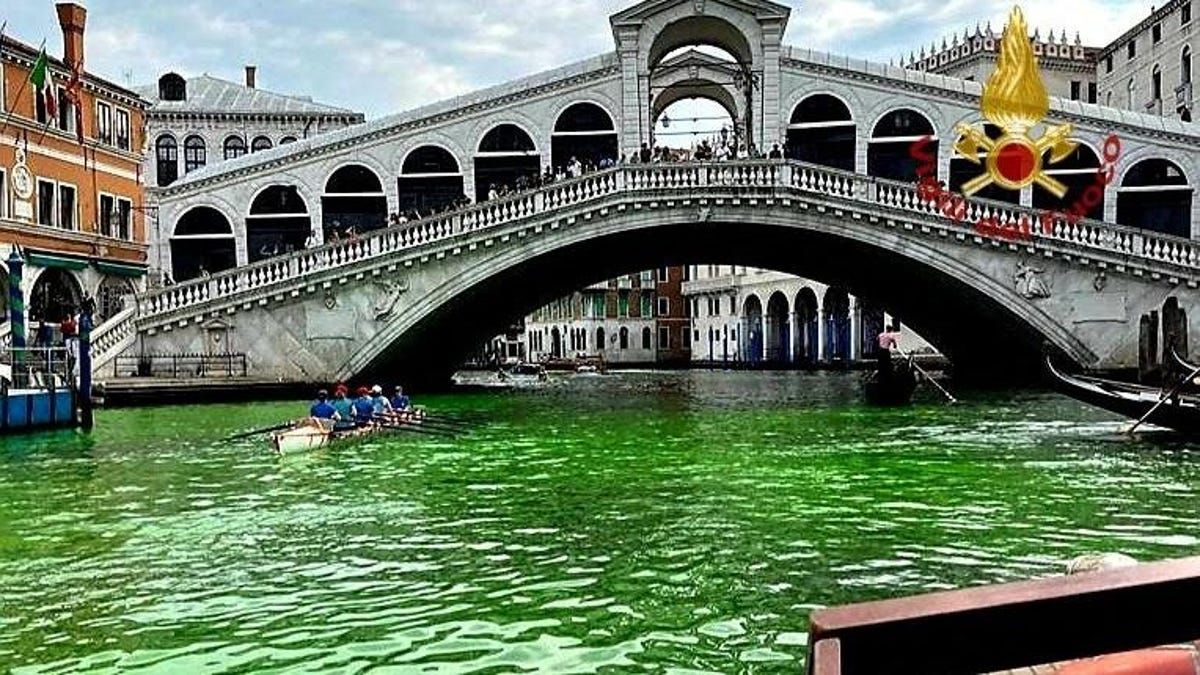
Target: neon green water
[(644, 522)]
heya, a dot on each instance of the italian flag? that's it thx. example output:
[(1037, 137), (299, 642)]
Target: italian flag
[(41, 79)]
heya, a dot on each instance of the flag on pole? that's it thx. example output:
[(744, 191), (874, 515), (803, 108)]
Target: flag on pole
[(44, 83), (74, 93)]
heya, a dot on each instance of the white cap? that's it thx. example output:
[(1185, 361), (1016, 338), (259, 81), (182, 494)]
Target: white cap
[(377, 389)]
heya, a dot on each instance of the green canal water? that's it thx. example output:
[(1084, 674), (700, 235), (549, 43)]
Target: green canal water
[(672, 523)]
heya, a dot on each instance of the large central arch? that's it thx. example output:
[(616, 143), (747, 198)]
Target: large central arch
[(970, 316)]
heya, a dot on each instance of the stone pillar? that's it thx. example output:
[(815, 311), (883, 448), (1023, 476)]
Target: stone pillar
[(856, 327), (634, 98), (823, 336), (793, 338), (770, 90)]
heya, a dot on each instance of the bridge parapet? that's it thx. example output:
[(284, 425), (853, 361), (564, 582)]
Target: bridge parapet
[(1121, 248)]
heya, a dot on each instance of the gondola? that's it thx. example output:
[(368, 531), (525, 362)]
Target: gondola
[(891, 388), (1181, 412), (1182, 365)]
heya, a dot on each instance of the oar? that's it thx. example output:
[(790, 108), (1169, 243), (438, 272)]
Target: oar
[(391, 423), (912, 360), (416, 429), (1165, 397), (257, 432)]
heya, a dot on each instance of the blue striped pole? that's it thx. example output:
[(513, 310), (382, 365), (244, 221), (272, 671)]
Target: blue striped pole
[(16, 299)]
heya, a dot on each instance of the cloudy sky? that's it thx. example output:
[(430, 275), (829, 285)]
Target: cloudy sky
[(383, 56)]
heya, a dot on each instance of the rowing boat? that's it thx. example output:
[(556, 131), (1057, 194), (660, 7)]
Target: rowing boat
[(314, 434)]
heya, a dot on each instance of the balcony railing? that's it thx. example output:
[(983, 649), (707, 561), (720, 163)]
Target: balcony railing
[(838, 189)]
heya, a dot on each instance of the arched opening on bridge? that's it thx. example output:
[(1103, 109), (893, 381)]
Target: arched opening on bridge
[(752, 330), (584, 132), (278, 223), (56, 295), (353, 199), (837, 324), (1155, 195), (1079, 173), (695, 122), (890, 154), (110, 297), (507, 160), (873, 321), (202, 243), (777, 331), (808, 327), (963, 170), (822, 131), (716, 37), (430, 180)]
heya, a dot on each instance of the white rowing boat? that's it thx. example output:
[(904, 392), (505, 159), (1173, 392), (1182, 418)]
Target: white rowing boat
[(314, 434)]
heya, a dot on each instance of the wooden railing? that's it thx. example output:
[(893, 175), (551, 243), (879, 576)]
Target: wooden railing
[(845, 190), (1021, 625)]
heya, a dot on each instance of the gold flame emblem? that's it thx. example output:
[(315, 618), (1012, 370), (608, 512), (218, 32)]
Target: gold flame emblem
[(1015, 100)]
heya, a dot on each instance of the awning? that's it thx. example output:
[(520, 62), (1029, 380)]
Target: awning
[(120, 270), (60, 262)]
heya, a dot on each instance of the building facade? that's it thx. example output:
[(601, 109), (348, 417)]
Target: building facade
[(613, 321), (1149, 68), (752, 316), (1068, 67), (71, 196), (200, 121)]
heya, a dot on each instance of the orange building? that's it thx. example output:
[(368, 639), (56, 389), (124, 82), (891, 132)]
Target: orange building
[(75, 210)]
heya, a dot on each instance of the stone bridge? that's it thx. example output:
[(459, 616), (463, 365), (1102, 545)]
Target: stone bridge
[(841, 208), (410, 301)]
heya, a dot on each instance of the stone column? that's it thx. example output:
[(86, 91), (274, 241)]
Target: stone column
[(856, 327), (633, 95), (770, 90)]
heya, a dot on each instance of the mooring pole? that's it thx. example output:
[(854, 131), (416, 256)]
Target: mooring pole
[(16, 312), (86, 417)]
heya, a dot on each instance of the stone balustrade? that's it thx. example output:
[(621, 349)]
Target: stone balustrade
[(113, 336), (691, 180)]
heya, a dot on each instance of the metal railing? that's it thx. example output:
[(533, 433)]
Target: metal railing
[(45, 368), (689, 180), (182, 366)]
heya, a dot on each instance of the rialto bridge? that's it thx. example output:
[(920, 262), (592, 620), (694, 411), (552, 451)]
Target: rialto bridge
[(842, 207)]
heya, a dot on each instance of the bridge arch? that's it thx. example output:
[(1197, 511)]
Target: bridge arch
[(752, 329), (430, 179), (892, 137), (1155, 194), (584, 130), (353, 197), (1079, 173), (202, 242), (278, 222), (777, 334), (974, 313), (506, 158), (822, 130), (729, 30)]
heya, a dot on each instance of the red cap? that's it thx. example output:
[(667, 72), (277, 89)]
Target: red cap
[(363, 391)]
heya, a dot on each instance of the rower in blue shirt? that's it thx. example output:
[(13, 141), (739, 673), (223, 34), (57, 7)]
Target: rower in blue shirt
[(382, 405), (322, 410), (400, 402), (364, 407)]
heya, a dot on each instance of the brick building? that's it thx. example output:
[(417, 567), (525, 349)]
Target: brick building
[(74, 209)]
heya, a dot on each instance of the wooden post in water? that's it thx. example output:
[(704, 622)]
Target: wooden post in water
[(1147, 353), (86, 416), (1174, 336)]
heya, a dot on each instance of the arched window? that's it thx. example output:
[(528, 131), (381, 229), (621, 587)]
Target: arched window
[(584, 132), (624, 337), (202, 243), (56, 294), (1185, 65), (1156, 195), (195, 154), (1156, 84), (890, 154), (261, 143), (353, 199), (822, 131), (1078, 173), (110, 298), (507, 159), (430, 180), (234, 147), (287, 139), (278, 223), (648, 337), (166, 152), (172, 87), (600, 344), (1130, 94)]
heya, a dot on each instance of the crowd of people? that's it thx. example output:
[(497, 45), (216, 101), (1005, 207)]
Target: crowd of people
[(365, 409)]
